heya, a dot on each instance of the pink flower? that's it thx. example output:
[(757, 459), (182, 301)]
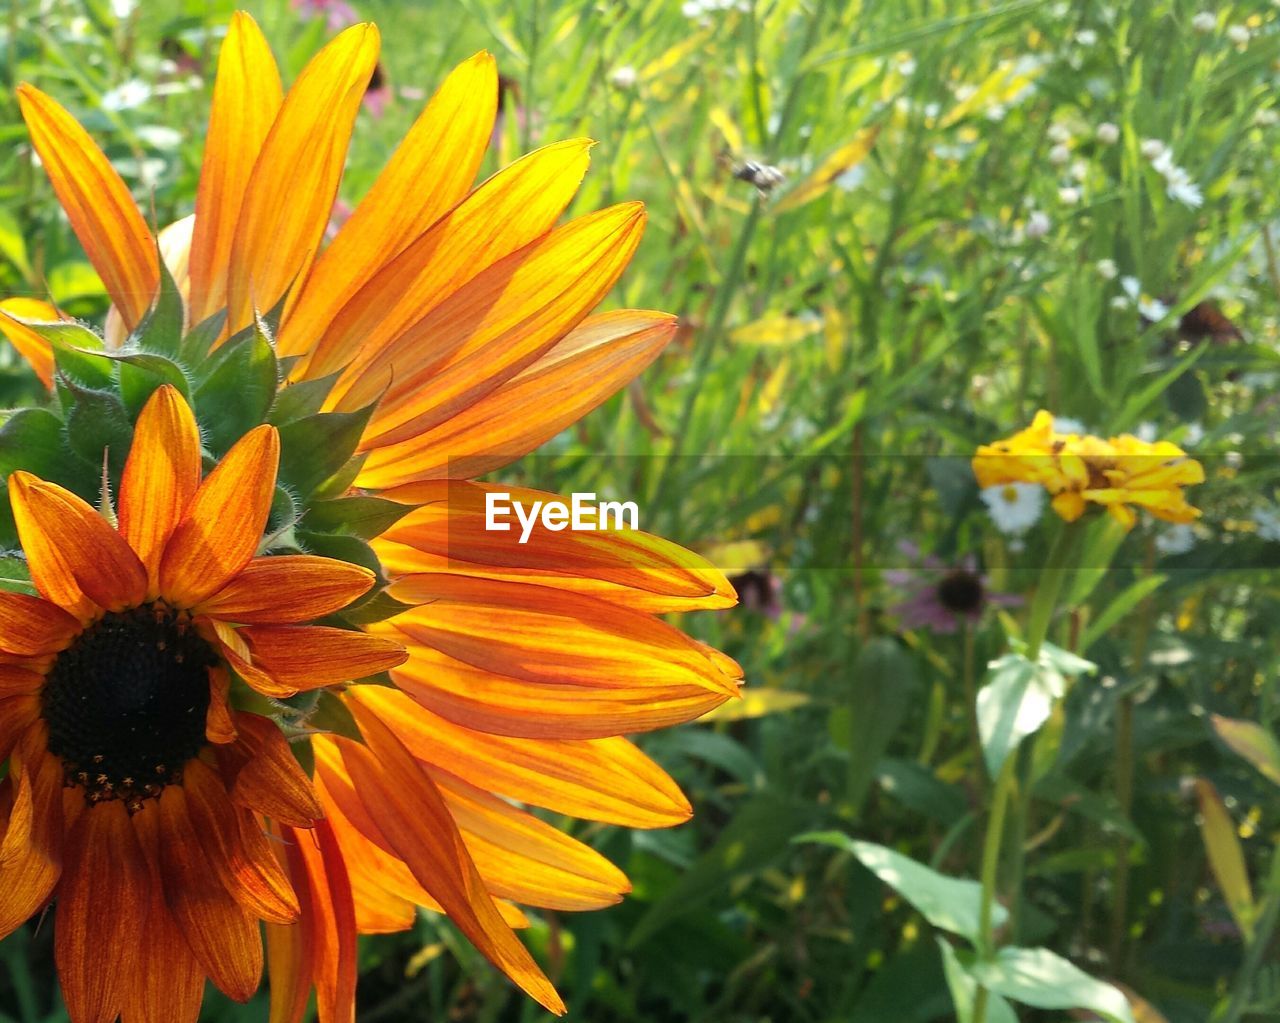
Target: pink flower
[(338, 14), (941, 596)]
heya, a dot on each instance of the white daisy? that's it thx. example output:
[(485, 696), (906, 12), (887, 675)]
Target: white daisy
[(1108, 133), (1014, 507), (1107, 269), (1205, 22)]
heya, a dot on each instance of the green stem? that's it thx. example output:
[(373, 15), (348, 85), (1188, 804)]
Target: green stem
[(1264, 929), (1043, 605)]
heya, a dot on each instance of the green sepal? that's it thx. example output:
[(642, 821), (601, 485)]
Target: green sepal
[(142, 372), (377, 608), (316, 448), (340, 482), (161, 328), (98, 420), (345, 548), (78, 352), (15, 575), (199, 341), (237, 386), (32, 439), (331, 715), (296, 401), (365, 517)]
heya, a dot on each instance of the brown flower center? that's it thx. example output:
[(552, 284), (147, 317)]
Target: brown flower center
[(126, 703), (960, 592)]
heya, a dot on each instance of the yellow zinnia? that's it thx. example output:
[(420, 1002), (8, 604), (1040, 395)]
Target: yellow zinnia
[(146, 685), (1077, 469)]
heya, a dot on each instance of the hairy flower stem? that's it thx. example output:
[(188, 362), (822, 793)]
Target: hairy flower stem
[(1042, 607)]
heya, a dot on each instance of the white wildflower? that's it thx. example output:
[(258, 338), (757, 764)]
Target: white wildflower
[(1107, 269), (1152, 149), (1205, 22), (1068, 196), (1086, 37), (1176, 539), (1153, 309), (624, 77), (1239, 34), (1059, 133), (127, 95), (1038, 225), (1014, 507), (1108, 133), (1059, 155)]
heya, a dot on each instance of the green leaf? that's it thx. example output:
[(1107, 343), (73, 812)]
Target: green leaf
[(77, 351), (884, 684), (949, 903), (377, 608), (1226, 857), (238, 386), (1040, 978), (296, 401), (964, 989), (1012, 705), (1121, 605), (12, 244), (315, 448), (161, 328), (759, 834), (365, 517)]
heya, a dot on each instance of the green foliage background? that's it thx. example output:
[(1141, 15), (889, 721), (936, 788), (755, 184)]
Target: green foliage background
[(839, 360)]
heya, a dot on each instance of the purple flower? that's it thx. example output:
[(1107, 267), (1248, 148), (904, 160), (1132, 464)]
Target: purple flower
[(338, 14), (941, 596)]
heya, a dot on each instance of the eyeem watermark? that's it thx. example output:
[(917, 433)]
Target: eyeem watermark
[(582, 514)]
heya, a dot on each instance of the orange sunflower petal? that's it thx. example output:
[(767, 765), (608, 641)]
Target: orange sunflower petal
[(30, 345), (30, 626), (31, 853), (444, 147), (589, 365), (218, 726), (493, 327), (409, 810), (97, 202), (287, 589), (246, 97), (490, 702), (526, 859), (167, 982), (223, 937), (272, 781), (102, 904), (247, 870), (329, 920), (607, 780), (301, 160), (303, 657), (160, 477), (75, 557), (553, 636), (450, 533), (510, 210), (224, 521)]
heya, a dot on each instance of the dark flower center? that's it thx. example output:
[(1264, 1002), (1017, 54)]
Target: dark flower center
[(126, 703), (960, 592)]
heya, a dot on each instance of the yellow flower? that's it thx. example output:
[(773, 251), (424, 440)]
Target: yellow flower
[(1118, 474), (459, 320)]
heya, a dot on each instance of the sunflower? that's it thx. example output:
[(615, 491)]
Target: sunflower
[(312, 689), (1118, 474)]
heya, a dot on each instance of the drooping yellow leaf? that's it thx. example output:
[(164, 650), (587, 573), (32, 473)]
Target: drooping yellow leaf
[(824, 175), (757, 703), (1226, 858), (779, 331)]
